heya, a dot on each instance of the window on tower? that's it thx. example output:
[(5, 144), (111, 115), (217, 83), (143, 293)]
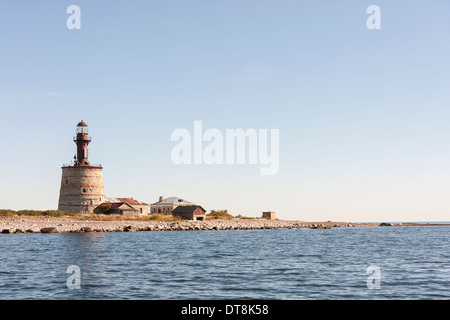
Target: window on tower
[(82, 130)]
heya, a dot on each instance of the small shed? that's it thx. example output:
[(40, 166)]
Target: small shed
[(142, 207), (269, 215), (190, 212), (121, 208)]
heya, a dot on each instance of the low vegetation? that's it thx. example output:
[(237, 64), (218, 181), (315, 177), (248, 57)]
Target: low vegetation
[(104, 216), (105, 208), (118, 217), (219, 214), (36, 213), (248, 218), (88, 216)]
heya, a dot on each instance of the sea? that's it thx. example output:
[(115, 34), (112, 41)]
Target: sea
[(348, 263)]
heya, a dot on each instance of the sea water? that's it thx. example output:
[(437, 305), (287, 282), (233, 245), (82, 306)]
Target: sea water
[(337, 263)]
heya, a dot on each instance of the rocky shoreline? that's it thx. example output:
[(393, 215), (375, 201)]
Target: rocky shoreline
[(26, 224)]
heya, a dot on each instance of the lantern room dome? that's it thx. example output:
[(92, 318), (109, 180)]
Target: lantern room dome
[(82, 124)]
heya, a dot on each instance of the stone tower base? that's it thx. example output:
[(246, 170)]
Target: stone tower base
[(81, 189)]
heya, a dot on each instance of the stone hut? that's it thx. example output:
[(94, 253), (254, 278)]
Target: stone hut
[(190, 212), (124, 209), (123, 206), (142, 207), (269, 215)]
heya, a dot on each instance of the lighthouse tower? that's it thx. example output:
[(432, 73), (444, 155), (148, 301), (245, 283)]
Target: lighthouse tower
[(82, 182)]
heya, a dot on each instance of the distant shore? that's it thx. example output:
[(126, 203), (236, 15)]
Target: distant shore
[(33, 224)]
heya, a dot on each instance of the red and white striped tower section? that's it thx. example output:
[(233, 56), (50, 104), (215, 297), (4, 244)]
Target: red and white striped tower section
[(82, 182)]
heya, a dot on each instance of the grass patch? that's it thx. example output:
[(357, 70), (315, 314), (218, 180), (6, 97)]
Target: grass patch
[(36, 213), (89, 216), (6, 213), (219, 214), (118, 217)]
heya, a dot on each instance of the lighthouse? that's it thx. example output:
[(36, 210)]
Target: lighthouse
[(82, 182)]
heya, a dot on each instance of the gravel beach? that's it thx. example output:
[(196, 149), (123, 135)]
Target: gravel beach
[(33, 224)]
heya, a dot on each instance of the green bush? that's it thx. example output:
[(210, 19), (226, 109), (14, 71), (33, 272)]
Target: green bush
[(105, 208), (219, 214)]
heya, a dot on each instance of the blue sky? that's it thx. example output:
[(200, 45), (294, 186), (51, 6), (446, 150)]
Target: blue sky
[(363, 114)]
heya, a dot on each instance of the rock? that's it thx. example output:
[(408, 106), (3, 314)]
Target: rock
[(7, 231), (321, 227), (49, 230), (86, 229), (29, 231), (385, 224), (129, 229), (19, 231)]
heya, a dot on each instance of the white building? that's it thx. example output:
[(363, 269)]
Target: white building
[(166, 206)]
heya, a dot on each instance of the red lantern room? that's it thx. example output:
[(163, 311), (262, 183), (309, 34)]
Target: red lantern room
[(82, 140)]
